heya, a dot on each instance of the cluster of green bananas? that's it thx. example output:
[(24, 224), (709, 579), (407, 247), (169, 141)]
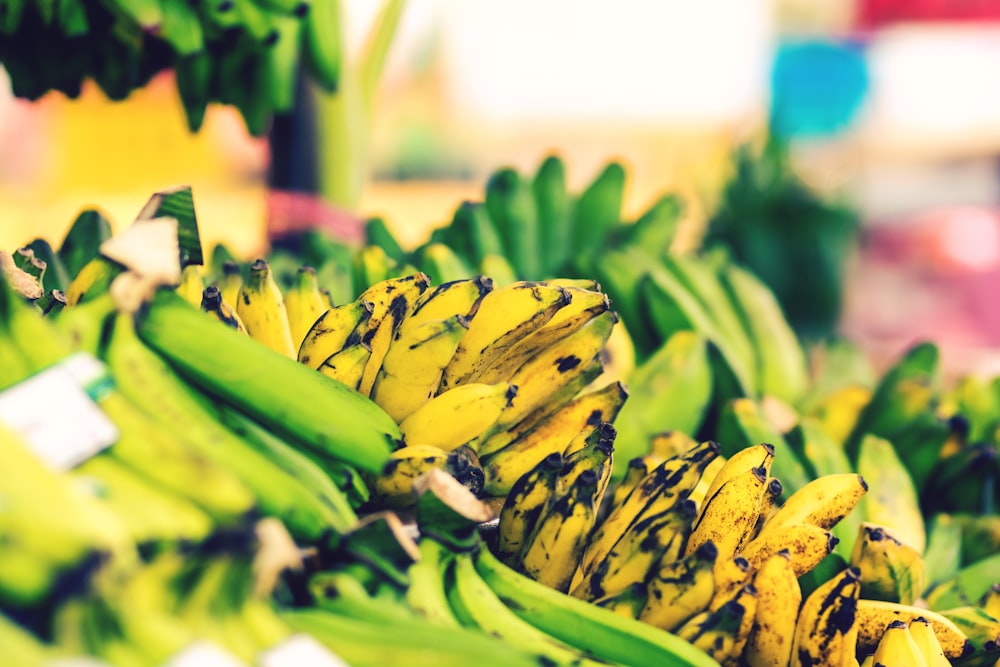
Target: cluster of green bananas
[(703, 547), (246, 53)]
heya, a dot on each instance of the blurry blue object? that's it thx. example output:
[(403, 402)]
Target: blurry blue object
[(817, 87)]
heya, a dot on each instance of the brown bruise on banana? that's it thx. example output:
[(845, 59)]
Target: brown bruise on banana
[(837, 623)]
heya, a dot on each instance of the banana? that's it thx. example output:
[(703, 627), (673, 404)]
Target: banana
[(636, 471), (255, 380), (730, 575), (822, 502), (506, 315), (524, 504), (589, 450), (807, 544), (837, 412), (56, 276), (827, 627), (22, 647), (83, 239), (392, 300), (394, 486), (230, 282), (261, 307), (715, 632), (213, 304), (730, 514), (303, 304), (873, 616), (441, 263), (427, 595), (584, 306), (554, 434), (982, 630), (599, 632), (554, 209), (556, 367), (473, 235), (457, 416), (459, 297), (990, 601), (927, 643), (748, 458), (890, 570), (894, 501), (552, 552), (670, 391), (652, 539), (511, 206), (778, 601), (679, 589), (94, 278), (192, 284), (337, 328), (412, 367), (477, 605), (498, 269), (980, 535), (769, 504), (897, 648), (347, 365), (626, 603), (670, 482)]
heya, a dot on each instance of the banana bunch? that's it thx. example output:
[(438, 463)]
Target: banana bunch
[(247, 53)]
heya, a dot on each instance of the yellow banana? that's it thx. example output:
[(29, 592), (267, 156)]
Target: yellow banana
[(556, 366), (826, 630), (262, 308), (633, 475), (552, 552), (457, 416), (874, 616), (392, 300), (990, 601), (93, 275), (729, 575), (822, 502), (627, 603), (337, 328), (213, 304), (584, 306), (459, 297), (778, 599), (303, 304), (806, 544), (927, 643), (890, 570), (506, 315), (412, 366), (981, 629), (743, 460), (524, 504), (680, 589), (731, 513), (747, 598), (715, 632), (654, 538), (668, 483), (838, 412), (552, 435), (230, 282), (394, 487), (769, 504), (348, 364), (589, 450), (192, 284), (897, 648)]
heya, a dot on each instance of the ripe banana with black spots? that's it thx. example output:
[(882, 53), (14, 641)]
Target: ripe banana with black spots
[(337, 328), (715, 632), (731, 513), (213, 304), (553, 434), (874, 616), (394, 486), (778, 599), (457, 416), (412, 366), (303, 304), (807, 545), (827, 628), (679, 589), (261, 307), (524, 505), (507, 315), (591, 449), (822, 502), (458, 297), (897, 648), (348, 364)]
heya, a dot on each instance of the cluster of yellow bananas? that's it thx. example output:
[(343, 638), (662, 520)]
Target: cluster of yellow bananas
[(704, 547), (483, 381)]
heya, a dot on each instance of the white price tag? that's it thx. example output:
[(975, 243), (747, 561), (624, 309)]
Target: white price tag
[(204, 654), (54, 411), (300, 651)]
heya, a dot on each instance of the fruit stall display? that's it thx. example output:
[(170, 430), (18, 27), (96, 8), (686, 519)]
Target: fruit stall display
[(339, 455)]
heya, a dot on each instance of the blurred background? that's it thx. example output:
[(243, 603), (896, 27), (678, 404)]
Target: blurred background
[(887, 110)]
